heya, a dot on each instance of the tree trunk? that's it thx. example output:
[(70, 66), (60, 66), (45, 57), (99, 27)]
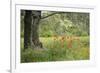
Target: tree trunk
[(31, 27), (27, 28), (35, 42)]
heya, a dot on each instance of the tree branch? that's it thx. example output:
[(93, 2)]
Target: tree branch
[(49, 15)]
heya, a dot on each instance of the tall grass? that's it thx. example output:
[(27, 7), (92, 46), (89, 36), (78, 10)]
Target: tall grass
[(57, 49)]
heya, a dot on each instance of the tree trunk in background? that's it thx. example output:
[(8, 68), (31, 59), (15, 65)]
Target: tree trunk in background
[(27, 28), (35, 42)]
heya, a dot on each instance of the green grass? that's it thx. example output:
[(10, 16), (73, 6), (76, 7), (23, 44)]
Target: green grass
[(56, 50)]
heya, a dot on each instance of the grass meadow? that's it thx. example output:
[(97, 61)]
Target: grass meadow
[(58, 48)]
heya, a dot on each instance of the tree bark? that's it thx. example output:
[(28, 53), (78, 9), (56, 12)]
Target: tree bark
[(31, 27), (27, 28), (35, 42)]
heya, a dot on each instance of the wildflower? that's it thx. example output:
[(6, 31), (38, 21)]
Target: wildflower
[(70, 40), (62, 40)]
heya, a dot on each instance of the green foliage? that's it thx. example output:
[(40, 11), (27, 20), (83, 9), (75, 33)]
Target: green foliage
[(76, 31), (64, 23), (85, 41), (48, 33)]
